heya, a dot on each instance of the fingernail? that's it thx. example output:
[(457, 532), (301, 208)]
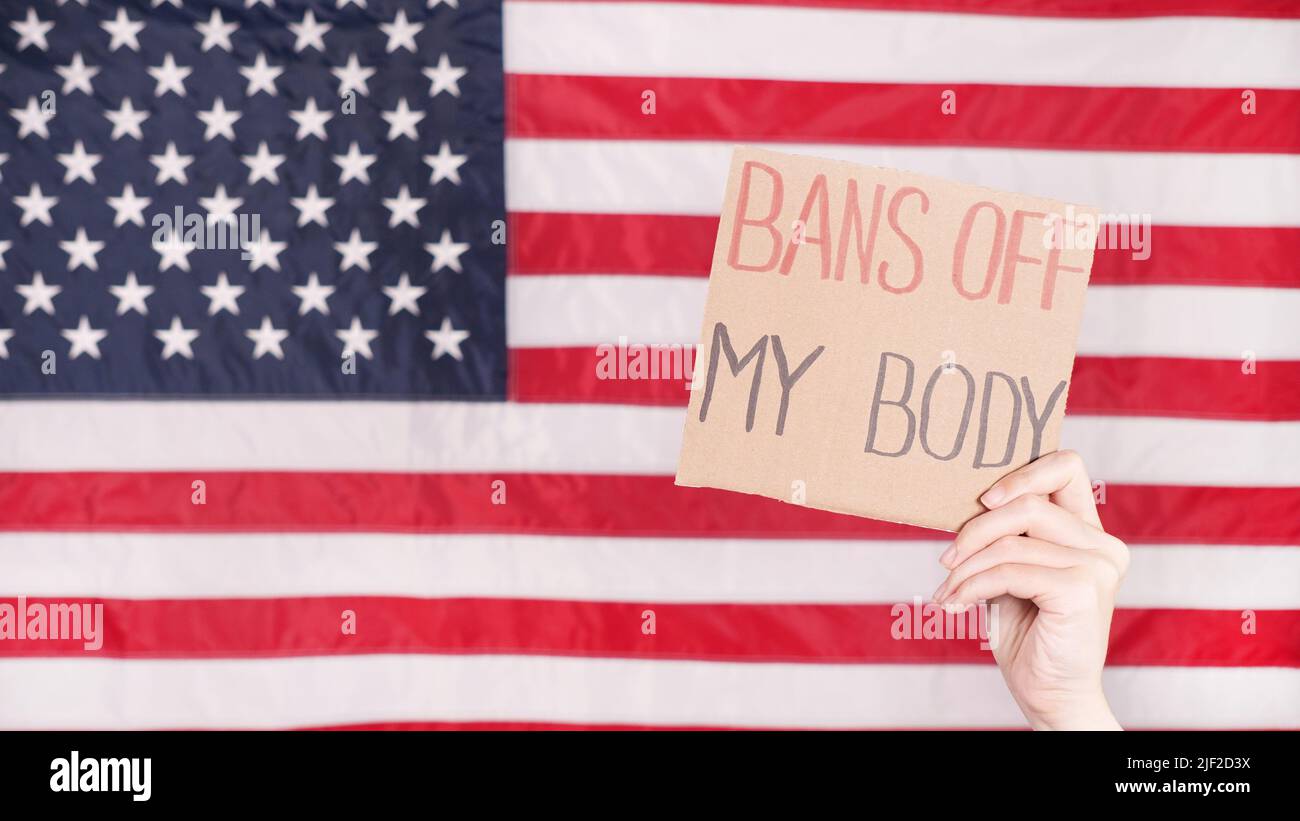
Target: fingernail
[(994, 495), (949, 554), (938, 592)]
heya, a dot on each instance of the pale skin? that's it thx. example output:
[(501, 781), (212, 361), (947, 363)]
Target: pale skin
[(1041, 556)]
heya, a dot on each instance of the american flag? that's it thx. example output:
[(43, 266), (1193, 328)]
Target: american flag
[(359, 469)]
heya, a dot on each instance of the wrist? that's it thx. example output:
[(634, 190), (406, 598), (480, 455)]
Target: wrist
[(1091, 712)]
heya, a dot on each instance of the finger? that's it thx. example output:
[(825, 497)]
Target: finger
[(1047, 587), (1031, 515), (1061, 476), (1009, 550)]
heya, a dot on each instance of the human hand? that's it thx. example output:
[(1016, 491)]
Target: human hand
[(1040, 557)]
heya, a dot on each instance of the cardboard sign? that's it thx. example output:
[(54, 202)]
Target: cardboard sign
[(882, 343)]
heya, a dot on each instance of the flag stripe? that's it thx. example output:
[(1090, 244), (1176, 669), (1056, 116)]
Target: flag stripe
[(688, 177), (682, 245), (1281, 9), (828, 44), (812, 633), (162, 565), (1138, 386), (956, 114), (514, 437), (88, 693), (551, 503), (1189, 321)]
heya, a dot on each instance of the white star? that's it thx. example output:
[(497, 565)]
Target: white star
[(352, 77), (401, 121), (128, 207), (223, 296), (5, 335), (33, 119), (356, 339), (126, 120), (404, 296), (169, 77), (171, 165), (445, 77), (353, 165), (401, 32), (445, 165), (219, 206), (355, 251), (263, 252), (262, 165), (38, 295), (122, 32), (446, 340), (267, 339), (5, 245), (4, 158), (309, 33), (433, 4), (157, 3), (445, 253), (360, 3), (32, 31), (261, 76), (131, 295), (404, 208), (84, 339), (79, 164), (36, 208), (313, 296), (311, 121), (81, 251), (173, 251), (177, 339), (218, 121), (312, 207), (248, 4), (216, 32), (77, 75)]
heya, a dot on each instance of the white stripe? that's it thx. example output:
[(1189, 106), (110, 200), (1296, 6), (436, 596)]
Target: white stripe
[(736, 571), (1119, 320), (296, 692), (475, 436), (688, 177), (663, 39)]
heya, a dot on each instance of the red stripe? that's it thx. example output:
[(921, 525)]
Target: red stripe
[(1283, 9), (578, 504), (746, 110), (566, 243), (794, 633), (1125, 386)]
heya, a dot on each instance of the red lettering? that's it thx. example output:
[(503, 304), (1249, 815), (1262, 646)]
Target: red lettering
[(817, 195), (894, 203), (1013, 253), (1053, 266), (995, 253), (740, 221), (852, 223)]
